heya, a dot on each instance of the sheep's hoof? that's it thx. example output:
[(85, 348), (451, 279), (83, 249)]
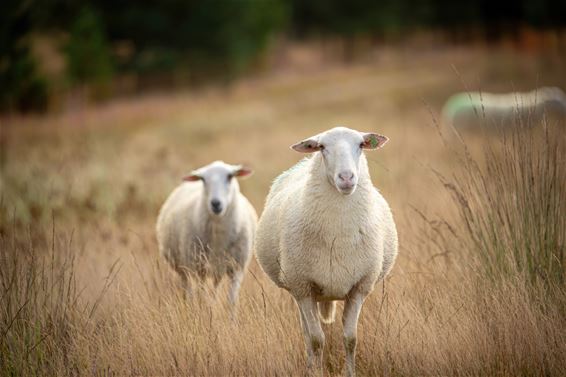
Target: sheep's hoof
[(314, 367)]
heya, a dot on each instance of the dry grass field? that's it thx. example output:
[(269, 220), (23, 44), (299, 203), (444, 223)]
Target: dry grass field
[(478, 288)]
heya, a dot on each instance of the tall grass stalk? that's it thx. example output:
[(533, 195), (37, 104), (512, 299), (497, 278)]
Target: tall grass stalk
[(41, 307), (512, 201)]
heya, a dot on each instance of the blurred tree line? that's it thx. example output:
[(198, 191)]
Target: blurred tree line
[(217, 38)]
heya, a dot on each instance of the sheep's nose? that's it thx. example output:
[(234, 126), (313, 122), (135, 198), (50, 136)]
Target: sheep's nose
[(346, 176), (216, 206)]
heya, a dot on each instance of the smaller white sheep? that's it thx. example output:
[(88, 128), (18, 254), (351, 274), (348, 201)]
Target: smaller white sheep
[(464, 110), (327, 234), (206, 227)]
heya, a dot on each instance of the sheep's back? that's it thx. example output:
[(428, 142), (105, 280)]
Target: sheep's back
[(390, 241)]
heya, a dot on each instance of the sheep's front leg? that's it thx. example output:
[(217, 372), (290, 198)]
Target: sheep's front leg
[(314, 336), (352, 309), (236, 278), (306, 337)]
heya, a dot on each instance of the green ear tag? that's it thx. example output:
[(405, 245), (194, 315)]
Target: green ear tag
[(373, 142)]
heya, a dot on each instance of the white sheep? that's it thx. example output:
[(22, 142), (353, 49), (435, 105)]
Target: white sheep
[(327, 234), (464, 110), (206, 227)]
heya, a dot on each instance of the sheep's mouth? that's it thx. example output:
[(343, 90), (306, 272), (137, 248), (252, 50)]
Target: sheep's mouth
[(346, 189), (216, 212)]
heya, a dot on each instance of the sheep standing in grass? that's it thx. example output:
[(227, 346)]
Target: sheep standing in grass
[(464, 110), (327, 234), (206, 227)]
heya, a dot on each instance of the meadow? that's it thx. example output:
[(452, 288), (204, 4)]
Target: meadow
[(478, 287)]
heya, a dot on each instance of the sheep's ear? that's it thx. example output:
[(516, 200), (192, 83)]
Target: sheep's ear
[(374, 141), (192, 177), (306, 146), (242, 171)]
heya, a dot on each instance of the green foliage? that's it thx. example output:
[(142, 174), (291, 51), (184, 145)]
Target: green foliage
[(196, 36), (21, 87), (366, 16), (387, 16), (88, 54), (203, 39), (545, 13)]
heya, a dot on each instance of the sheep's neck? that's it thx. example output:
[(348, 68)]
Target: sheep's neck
[(332, 214)]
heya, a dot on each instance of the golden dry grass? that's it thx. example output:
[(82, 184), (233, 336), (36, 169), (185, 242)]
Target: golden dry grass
[(84, 291)]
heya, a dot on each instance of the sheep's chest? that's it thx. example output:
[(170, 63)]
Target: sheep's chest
[(209, 250), (332, 249)]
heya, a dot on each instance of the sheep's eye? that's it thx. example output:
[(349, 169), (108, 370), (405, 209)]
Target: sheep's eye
[(229, 177), (361, 145), (321, 147)]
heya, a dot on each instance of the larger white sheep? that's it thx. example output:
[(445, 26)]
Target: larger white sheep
[(327, 234), (206, 227)]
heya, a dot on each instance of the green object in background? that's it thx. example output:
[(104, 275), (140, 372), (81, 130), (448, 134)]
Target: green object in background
[(459, 102), (87, 52)]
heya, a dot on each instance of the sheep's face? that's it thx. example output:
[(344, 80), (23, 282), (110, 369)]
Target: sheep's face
[(220, 185), (341, 149), (554, 98)]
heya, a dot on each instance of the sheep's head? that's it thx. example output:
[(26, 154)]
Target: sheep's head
[(219, 184), (341, 149), (554, 97)]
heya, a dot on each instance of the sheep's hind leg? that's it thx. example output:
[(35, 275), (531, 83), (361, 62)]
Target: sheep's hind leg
[(352, 309), (210, 292), (314, 336), (187, 291)]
